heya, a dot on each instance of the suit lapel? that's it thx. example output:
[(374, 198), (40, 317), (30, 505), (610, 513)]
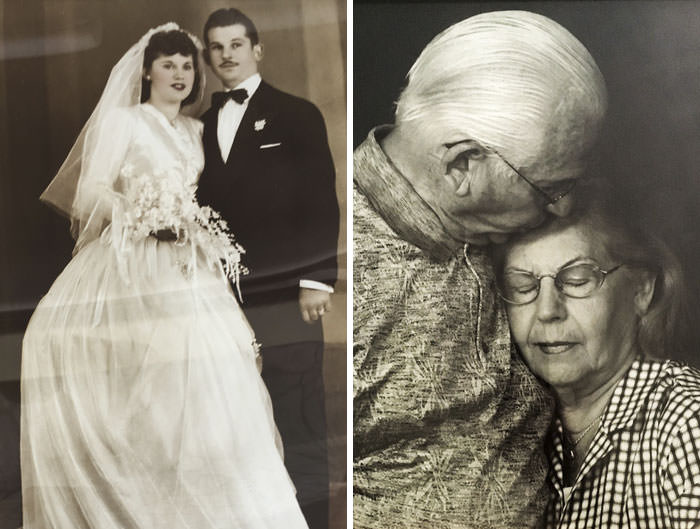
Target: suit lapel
[(210, 139)]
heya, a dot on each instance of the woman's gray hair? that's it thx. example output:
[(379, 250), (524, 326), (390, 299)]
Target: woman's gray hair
[(491, 76), (625, 241)]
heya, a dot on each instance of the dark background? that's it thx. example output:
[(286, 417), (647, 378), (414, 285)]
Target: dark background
[(649, 53), (55, 57)]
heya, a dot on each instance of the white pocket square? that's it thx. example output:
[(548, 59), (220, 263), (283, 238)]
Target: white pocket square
[(270, 145)]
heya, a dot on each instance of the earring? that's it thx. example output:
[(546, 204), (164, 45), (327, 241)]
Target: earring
[(148, 78)]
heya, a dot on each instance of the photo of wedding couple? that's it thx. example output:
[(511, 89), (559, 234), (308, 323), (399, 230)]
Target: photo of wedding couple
[(189, 339), (183, 355)]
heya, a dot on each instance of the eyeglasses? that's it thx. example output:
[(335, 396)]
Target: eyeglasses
[(561, 188), (574, 281)]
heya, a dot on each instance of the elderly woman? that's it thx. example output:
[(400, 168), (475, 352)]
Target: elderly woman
[(590, 302)]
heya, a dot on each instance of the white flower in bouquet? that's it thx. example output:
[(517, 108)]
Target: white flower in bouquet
[(156, 203)]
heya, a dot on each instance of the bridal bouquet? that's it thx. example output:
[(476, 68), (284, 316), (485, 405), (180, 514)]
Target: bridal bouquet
[(157, 203)]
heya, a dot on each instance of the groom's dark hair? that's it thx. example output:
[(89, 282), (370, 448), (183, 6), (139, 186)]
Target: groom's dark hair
[(228, 17)]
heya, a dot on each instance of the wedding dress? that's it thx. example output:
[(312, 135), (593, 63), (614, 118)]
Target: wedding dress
[(142, 404)]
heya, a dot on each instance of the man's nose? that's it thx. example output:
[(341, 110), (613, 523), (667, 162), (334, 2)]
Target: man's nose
[(562, 207), (550, 303), (226, 52)]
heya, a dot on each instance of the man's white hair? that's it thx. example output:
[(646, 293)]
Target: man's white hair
[(504, 78)]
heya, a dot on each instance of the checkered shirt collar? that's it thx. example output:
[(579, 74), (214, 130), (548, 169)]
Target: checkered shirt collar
[(625, 404), (630, 395)]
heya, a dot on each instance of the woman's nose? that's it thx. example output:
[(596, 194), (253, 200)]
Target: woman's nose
[(562, 207), (551, 304)]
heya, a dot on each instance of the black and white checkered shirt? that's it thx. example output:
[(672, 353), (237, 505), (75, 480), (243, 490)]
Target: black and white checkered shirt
[(642, 469)]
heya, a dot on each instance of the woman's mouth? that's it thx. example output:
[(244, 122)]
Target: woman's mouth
[(555, 348), (178, 86)]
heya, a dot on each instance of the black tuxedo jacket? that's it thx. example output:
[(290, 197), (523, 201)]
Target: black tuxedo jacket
[(276, 192)]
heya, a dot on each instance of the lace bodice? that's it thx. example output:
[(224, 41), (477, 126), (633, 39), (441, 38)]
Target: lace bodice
[(145, 182), (160, 150), (158, 176)]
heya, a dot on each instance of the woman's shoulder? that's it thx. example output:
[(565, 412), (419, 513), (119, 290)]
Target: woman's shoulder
[(684, 378), (193, 124), (678, 391), (664, 393)]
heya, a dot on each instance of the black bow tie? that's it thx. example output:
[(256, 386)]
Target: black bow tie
[(239, 95)]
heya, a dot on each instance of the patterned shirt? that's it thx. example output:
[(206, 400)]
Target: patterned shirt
[(449, 423), (642, 469)]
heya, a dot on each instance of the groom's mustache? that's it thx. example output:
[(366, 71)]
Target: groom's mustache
[(228, 63)]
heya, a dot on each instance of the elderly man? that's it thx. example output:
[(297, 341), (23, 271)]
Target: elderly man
[(491, 135)]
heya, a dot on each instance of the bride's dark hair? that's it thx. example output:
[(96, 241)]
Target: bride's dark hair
[(165, 43)]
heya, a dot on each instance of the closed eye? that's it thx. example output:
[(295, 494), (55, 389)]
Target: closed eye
[(574, 282)]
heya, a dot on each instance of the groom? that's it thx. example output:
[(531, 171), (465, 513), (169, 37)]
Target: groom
[(268, 171)]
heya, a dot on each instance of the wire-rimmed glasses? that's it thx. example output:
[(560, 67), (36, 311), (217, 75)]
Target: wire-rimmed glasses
[(578, 280)]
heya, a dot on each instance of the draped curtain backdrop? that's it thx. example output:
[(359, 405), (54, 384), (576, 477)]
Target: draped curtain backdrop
[(55, 57)]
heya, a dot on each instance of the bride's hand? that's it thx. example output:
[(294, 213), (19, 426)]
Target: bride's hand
[(313, 303)]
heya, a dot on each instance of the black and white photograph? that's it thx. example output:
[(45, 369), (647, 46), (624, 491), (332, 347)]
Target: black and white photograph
[(525, 249), (174, 278), (499, 330)]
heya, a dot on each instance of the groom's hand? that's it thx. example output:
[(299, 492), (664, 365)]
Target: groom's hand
[(313, 303)]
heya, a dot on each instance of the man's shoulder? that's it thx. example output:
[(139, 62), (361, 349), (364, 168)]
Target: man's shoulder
[(374, 240)]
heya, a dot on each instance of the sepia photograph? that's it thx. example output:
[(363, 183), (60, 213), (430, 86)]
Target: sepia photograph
[(525, 248), (518, 347), (173, 258)]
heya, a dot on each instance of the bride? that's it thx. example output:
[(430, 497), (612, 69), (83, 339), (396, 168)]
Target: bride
[(142, 405)]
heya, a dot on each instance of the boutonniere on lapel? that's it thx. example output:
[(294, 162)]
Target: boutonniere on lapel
[(259, 125)]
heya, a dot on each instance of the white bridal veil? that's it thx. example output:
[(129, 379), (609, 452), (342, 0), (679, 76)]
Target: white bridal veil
[(81, 189)]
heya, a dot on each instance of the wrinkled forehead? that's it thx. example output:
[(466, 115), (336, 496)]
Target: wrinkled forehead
[(566, 137), (556, 243), (558, 144)]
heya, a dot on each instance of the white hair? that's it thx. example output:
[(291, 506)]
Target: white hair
[(505, 78)]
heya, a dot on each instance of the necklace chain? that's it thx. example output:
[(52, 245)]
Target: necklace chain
[(579, 437)]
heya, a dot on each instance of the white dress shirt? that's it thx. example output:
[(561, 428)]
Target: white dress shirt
[(230, 117), (231, 114)]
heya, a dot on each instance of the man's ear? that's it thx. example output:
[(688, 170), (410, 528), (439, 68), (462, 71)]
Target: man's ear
[(258, 51), (458, 165), (645, 292)]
